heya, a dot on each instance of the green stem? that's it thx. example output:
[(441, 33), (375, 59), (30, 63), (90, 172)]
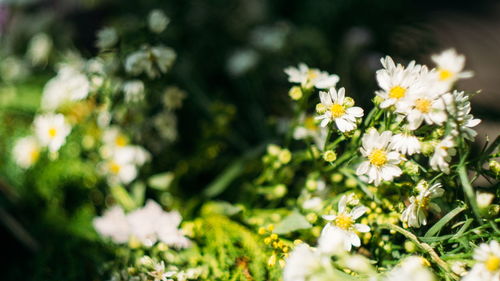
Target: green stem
[(424, 247)]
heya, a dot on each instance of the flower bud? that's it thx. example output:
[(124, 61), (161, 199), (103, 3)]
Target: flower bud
[(329, 156), (321, 108), (295, 93), (348, 102)]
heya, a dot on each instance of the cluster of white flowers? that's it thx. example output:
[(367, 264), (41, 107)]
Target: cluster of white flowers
[(151, 61), (148, 225), (311, 77), (120, 159)]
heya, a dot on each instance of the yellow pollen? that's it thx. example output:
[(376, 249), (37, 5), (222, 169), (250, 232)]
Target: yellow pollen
[(424, 202), (120, 141), (378, 157), (344, 222), (114, 167), (423, 105), (337, 110), (445, 74), (397, 92), (492, 263), (311, 74), (52, 132)]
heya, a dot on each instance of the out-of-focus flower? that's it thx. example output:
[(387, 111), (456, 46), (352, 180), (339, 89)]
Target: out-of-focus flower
[(411, 269), (39, 48), (308, 128), (344, 224), (381, 163), (487, 267), (157, 21), (106, 38), (241, 61), (51, 130), (151, 61), (173, 97), (160, 274), (302, 263), (26, 151), (150, 224), (450, 67), (311, 77), (134, 91), (336, 110), (415, 215), (68, 86), (113, 224)]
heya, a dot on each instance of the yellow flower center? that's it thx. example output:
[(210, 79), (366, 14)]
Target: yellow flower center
[(114, 167), (34, 154), (309, 124), (424, 202), (397, 92), (445, 74), (423, 105), (120, 140), (492, 263), (343, 221), (311, 74), (378, 157), (52, 132), (337, 110)]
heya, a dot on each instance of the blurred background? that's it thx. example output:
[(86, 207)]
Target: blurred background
[(230, 60)]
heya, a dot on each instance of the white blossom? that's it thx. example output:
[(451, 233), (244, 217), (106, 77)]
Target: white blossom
[(68, 86), (344, 223), (487, 267), (443, 152), (51, 130), (415, 215), (26, 151), (311, 77), (381, 162), (333, 108)]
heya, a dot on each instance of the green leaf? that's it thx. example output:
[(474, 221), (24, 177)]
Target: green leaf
[(294, 221), (443, 221), (161, 181), (123, 198)]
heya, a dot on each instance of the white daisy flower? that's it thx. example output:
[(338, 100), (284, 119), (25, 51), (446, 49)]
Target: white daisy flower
[(333, 241), (308, 128), (405, 143), (159, 273), (51, 130), (344, 223), (68, 86), (302, 263), (450, 67), (460, 108), (119, 169), (428, 106), (487, 267), (113, 224), (396, 81), (415, 214), (134, 91), (114, 137), (26, 152), (311, 77), (411, 269), (381, 163), (333, 108), (443, 152)]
